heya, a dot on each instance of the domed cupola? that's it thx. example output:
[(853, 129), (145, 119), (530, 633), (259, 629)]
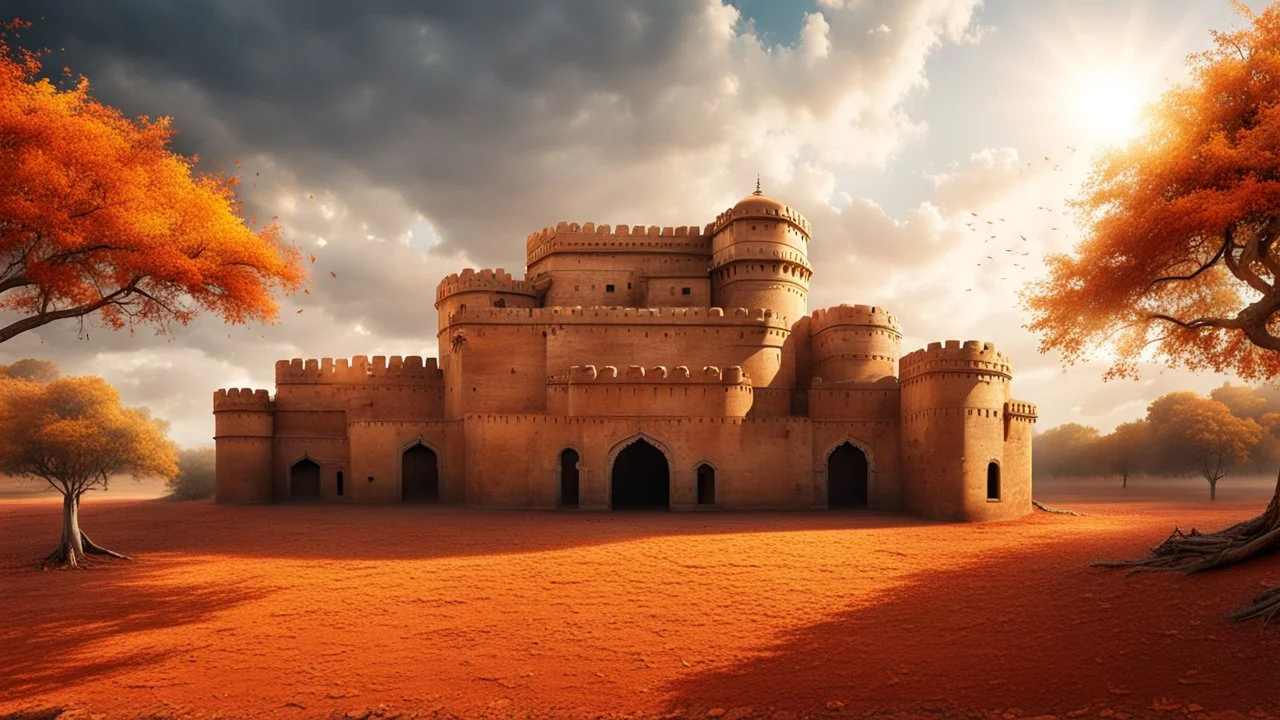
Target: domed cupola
[(759, 257)]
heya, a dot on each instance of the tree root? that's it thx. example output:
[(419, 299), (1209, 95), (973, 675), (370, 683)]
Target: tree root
[(65, 558), (96, 549), (1041, 506), (1265, 604), (1195, 551)]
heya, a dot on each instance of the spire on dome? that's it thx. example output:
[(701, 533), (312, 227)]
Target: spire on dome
[(757, 192)]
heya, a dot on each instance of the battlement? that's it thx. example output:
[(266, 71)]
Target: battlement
[(786, 213), (241, 400), (954, 356), (1017, 408), (621, 316), (397, 370), (485, 280), (866, 315), (603, 236), (660, 374)]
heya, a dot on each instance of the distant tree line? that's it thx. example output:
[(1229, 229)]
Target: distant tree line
[(1235, 429)]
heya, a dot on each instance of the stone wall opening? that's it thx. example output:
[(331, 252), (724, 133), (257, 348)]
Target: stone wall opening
[(847, 477), (641, 478), (419, 475), (706, 485), (993, 481), (569, 478), (340, 482), (304, 480)]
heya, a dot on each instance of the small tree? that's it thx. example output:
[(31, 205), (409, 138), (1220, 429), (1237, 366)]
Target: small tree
[(41, 371), (1125, 450), (1068, 450), (195, 478), (99, 217), (1202, 436), (74, 434)]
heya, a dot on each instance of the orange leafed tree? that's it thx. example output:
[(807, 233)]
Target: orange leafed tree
[(1181, 259), (98, 216), (1201, 435), (74, 434)]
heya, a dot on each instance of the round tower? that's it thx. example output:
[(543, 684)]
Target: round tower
[(854, 343), (953, 401), (760, 257), (481, 289), (244, 432)]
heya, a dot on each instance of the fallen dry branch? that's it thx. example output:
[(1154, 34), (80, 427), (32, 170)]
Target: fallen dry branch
[(1195, 551), (1041, 506)]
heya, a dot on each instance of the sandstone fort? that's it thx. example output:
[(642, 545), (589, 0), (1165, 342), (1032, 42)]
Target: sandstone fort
[(645, 367)]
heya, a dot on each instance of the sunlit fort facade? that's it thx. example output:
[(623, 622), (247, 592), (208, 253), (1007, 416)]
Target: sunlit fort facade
[(644, 367)]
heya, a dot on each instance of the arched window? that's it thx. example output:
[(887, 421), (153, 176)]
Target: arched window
[(706, 485), (993, 481)]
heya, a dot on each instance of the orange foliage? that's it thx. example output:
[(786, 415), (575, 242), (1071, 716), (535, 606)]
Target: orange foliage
[(75, 434), (1180, 258), (98, 215), (1201, 434)]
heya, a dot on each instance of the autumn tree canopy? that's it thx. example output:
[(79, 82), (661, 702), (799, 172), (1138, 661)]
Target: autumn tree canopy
[(1180, 257), (99, 217), (1200, 435), (74, 434)]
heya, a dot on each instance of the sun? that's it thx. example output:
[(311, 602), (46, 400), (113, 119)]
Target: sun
[(1106, 106)]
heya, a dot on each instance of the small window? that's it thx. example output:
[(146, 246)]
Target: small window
[(686, 291), (370, 478), (608, 288), (673, 291), (339, 482), (628, 286), (577, 288), (993, 482)]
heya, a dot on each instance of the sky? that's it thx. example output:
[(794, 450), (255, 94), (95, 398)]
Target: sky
[(399, 142)]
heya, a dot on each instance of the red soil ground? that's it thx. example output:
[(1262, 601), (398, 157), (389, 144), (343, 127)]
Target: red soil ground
[(313, 611)]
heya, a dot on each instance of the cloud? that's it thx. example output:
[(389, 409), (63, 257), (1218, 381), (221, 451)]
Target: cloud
[(470, 124)]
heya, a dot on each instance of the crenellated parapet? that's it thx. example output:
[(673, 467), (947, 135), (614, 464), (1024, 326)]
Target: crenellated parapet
[(621, 316), (1019, 409), (636, 391), (853, 315), (590, 237), (470, 280), (953, 356), (660, 374), (381, 370), (241, 400)]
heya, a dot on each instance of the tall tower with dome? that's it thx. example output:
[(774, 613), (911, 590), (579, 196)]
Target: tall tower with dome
[(645, 367)]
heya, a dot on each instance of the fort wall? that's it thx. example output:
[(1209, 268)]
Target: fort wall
[(588, 391), (513, 460), (377, 451)]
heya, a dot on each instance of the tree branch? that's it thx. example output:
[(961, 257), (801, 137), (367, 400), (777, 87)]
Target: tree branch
[(1212, 261), (45, 317)]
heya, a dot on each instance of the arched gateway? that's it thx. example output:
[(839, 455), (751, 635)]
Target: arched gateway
[(419, 475), (304, 480), (641, 478), (847, 477)]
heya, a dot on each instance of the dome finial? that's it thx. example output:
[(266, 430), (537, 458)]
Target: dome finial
[(757, 192)]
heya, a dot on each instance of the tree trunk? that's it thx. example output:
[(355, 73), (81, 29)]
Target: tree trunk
[(75, 546), (1213, 490), (1124, 480)]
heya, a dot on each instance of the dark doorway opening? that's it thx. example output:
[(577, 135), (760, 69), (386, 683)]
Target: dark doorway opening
[(641, 478), (706, 485), (993, 481), (339, 482), (304, 480), (569, 478), (419, 475), (847, 476)]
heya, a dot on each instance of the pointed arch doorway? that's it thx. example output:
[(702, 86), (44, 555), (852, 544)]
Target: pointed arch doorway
[(641, 478), (419, 475), (848, 477)]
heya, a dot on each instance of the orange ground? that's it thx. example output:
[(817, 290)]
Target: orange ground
[(312, 611)]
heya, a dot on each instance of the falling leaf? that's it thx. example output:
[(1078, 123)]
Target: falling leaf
[(299, 311), (333, 274), (313, 259)]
